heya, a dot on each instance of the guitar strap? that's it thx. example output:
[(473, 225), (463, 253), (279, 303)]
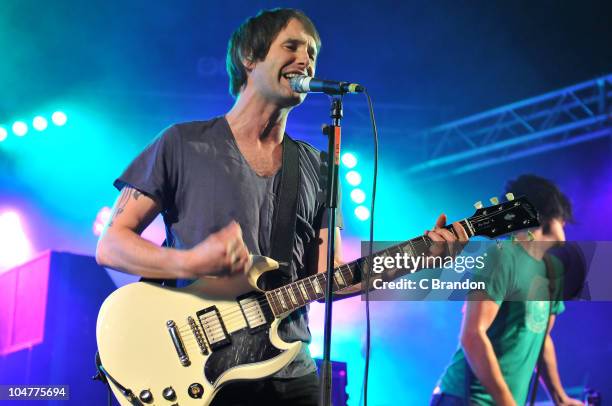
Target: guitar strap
[(285, 214), (551, 292)]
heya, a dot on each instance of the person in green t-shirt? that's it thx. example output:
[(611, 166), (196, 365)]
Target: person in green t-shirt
[(505, 325)]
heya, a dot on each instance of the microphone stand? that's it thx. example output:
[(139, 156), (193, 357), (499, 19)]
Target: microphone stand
[(333, 133)]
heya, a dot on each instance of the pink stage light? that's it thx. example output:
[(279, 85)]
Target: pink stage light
[(101, 219), (15, 247), (23, 303)]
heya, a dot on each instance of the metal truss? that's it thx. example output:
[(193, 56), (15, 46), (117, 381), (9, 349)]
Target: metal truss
[(551, 121)]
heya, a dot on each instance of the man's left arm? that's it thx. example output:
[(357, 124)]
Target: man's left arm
[(550, 373)]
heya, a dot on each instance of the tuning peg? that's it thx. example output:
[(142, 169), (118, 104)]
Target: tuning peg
[(494, 200), (478, 205), (510, 196)]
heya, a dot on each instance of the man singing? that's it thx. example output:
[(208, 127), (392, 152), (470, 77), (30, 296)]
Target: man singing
[(216, 184)]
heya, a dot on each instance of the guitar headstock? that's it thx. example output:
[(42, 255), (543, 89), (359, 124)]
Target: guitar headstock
[(502, 218)]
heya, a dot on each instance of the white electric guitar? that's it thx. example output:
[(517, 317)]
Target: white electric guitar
[(180, 346)]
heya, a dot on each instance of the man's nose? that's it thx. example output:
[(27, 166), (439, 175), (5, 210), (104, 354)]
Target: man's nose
[(303, 59)]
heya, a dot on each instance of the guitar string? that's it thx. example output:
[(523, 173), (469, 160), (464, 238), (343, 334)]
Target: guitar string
[(252, 309), (213, 328), (293, 300), (190, 340), (213, 323), (217, 332), (236, 310)]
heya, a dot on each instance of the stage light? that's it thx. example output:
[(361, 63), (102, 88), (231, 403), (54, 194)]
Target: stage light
[(39, 123), (353, 178), (59, 118), (358, 195), (20, 128), (362, 213), (349, 160), (315, 349), (15, 248), (102, 219), (3, 134)]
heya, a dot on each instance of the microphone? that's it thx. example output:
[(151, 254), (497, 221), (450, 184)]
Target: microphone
[(306, 84)]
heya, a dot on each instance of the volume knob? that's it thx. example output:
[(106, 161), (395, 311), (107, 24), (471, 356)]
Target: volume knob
[(146, 396), (169, 393)]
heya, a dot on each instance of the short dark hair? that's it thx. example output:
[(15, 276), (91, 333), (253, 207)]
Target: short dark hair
[(253, 38), (548, 200)]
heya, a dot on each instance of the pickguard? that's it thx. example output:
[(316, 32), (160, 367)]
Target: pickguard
[(245, 348)]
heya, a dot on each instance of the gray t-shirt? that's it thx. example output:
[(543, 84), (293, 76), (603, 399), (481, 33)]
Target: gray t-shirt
[(198, 174)]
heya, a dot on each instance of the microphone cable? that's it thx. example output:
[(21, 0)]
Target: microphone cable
[(370, 259)]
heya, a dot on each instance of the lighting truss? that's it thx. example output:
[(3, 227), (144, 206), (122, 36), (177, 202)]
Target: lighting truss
[(551, 121)]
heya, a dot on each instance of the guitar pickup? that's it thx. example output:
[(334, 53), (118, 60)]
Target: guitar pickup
[(254, 311), (213, 327)]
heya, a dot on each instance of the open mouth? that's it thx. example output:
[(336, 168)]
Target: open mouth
[(291, 75)]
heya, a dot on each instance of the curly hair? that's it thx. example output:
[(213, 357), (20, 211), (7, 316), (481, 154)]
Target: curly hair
[(548, 200)]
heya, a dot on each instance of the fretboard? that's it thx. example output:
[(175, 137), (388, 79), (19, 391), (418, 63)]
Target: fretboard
[(294, 295)]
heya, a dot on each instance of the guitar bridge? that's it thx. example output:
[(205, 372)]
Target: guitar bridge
[(213, 327), (198, 335)]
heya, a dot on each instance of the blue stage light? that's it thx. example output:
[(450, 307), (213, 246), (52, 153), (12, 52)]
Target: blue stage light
[(59, 118), (358, 195), (20, 128), (353, 178), (362, 213), (349, 160), (39, 123)]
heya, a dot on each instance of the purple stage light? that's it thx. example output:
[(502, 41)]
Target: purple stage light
[(15, 247), (23, 301)]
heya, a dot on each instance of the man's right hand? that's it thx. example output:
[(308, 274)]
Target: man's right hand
[(221, 254)]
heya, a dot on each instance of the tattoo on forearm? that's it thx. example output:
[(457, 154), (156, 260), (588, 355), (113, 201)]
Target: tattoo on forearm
[(137, 194), (121, 203)]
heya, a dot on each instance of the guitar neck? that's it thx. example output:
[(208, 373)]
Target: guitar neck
[(297, 294)]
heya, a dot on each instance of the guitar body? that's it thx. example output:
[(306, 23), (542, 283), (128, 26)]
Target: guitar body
[(228, 340)]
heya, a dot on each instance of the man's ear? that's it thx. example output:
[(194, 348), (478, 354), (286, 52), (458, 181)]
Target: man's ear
[(248, 63)]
